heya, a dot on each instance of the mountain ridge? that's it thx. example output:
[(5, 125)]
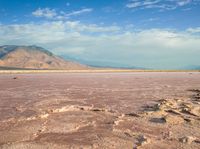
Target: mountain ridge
[(34, 57)]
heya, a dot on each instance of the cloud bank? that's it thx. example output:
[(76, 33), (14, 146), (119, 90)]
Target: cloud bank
[(151, 48)]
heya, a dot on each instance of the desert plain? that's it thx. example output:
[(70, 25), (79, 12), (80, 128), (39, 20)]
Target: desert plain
[(148, 110)]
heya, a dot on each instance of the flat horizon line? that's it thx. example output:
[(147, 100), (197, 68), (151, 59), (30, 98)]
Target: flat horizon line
[(89, 71)]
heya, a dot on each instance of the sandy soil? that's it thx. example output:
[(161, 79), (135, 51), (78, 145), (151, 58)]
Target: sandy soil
[(100, 110)]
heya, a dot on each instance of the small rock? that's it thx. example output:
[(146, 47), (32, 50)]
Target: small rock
[(133, 114), (188, 120), (142, 140), (158, 120), (15, 78), (173, 111), (187, 139), (44, 116), (173, 119), (195, 111), (187, 105)]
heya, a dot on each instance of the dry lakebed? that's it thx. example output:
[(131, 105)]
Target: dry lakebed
[(147, 110)]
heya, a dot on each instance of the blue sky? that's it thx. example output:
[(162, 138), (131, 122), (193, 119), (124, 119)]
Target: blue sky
[(159, 34)]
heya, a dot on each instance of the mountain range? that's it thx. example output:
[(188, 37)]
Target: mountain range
[(33, 57)]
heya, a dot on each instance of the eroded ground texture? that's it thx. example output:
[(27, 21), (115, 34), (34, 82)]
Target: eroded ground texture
[(100, 110)]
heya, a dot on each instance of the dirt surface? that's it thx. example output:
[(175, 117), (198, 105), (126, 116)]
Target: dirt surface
[(100, 110)]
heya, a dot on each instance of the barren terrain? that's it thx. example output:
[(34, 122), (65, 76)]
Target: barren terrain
[(100, 110)]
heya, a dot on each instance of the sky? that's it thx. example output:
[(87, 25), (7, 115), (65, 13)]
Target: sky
[(153, 34)]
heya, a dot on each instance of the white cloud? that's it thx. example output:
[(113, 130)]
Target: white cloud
[(91, 28), (152, 47), (55, 15), (137, 3), (157, 4), (78, 12), (194, 30), (45, 12), (183, 2)]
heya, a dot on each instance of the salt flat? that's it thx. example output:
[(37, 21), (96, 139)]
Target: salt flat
[(100, 110)]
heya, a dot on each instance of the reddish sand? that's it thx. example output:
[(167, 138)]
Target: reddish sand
[(100, 110)]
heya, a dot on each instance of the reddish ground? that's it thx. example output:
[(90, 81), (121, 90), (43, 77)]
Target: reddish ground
[(100, 110)]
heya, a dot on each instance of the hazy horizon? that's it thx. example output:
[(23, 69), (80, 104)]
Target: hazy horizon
[(150, 34)]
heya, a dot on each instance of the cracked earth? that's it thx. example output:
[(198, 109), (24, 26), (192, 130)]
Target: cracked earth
[(105, 110)]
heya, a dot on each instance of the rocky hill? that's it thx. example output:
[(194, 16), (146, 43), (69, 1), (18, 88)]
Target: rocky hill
[(33, 57)]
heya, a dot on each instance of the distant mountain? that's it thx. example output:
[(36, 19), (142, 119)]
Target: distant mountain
[(103, 64), (33, 57), (192, 67)]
